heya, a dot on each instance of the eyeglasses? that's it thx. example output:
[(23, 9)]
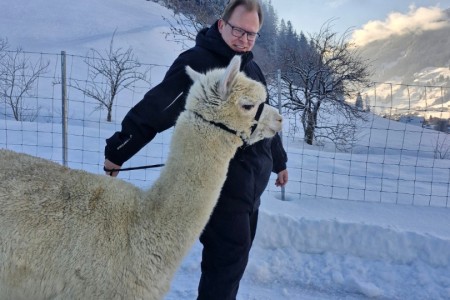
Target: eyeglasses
[(239, 32)]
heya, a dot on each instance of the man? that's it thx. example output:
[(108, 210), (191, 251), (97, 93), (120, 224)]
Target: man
[(228, 236)]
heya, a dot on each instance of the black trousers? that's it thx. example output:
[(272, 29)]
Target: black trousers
[(226, 239)]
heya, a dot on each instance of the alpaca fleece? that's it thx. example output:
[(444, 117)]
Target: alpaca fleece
[(69, 234)]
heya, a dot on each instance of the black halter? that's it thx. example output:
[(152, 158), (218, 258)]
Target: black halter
[(257, 116), (220, 125), (232, 131)]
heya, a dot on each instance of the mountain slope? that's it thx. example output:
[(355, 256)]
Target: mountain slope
[(402, 58)]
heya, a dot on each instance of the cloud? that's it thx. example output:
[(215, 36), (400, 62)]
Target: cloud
[(417, 19)]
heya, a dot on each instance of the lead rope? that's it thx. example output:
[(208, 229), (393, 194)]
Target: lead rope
[(111, 171)]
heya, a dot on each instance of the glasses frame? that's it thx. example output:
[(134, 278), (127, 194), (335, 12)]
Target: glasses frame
[(239, 32)]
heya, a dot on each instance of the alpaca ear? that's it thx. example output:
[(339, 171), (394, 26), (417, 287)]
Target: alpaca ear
[(193, 74), (230, 76)]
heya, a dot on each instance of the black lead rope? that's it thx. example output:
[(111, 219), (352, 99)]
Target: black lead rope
[(131, 169)]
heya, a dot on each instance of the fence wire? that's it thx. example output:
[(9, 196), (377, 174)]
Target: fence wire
[(401, 154)]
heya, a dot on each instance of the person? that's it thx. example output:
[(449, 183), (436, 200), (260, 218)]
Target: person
[(229, 234)]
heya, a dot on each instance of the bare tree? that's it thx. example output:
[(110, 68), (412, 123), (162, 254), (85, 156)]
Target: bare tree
[(441, 147), (110, 73), (3, 47), (321, 77), (441, 125), (18, 77), (189, 17)]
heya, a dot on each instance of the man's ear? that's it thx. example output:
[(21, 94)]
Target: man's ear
[(221, 24)]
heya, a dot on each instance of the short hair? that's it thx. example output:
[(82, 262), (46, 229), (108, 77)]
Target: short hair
[(250, 5)]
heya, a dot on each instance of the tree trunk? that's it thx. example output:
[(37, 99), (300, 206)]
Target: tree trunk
[(310, 127), (109, 116)]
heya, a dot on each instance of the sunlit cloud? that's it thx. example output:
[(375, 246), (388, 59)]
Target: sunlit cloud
[(416, 20)]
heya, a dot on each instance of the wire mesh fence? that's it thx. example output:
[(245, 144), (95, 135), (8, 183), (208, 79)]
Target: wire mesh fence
[(400, 154)]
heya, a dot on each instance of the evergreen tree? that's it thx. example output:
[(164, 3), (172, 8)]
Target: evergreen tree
[(359, 101), (265, 48), (268, 31)]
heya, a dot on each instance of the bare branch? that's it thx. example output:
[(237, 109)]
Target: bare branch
[(324, 77), (110, 73), (441, 148), (18, 77), (189, 17)]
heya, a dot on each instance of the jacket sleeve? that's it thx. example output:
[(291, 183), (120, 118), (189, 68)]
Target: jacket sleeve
[(156, 112), (279, 155)]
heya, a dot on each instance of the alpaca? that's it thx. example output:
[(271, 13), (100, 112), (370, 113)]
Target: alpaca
[(69, 234)]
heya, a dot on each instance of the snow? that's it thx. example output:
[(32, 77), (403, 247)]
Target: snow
[(305, 247)]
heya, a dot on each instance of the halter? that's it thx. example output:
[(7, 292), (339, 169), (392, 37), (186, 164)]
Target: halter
[(219, 125), (232, 131)]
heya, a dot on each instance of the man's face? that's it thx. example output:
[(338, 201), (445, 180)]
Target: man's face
[(241, 20)]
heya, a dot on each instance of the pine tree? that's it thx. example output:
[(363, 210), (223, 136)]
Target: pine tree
[(359, 102)]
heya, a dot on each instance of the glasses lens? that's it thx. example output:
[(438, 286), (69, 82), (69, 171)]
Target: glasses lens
[(239, 32), (251, 36)]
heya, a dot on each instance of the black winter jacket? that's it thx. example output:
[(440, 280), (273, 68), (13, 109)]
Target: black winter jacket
[(249, 170)]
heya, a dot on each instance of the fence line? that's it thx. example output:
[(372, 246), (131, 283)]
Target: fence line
[(398, 156)]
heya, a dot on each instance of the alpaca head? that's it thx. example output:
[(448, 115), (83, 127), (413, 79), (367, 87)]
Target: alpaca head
[(229, 97)]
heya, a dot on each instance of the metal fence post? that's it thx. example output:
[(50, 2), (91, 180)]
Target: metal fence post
[(279, 109), (64, 107)]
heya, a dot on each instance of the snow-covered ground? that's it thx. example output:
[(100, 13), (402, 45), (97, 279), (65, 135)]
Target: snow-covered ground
[(305, 247)]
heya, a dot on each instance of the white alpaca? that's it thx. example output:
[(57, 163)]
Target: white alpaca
[(69, 234)]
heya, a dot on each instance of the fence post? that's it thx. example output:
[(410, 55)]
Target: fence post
[(279, 109), (64, 107)]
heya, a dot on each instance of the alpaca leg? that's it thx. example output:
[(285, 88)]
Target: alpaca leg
[(226, 240)]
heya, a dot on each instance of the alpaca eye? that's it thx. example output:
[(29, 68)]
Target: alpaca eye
[(248, 106)]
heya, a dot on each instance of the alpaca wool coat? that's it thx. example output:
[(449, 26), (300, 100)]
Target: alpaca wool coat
[(249, 170)]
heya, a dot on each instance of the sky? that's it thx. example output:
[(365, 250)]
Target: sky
[(306, 248), (370, 18)]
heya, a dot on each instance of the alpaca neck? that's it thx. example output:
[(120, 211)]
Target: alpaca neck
[(190, 183), (177, 207)]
